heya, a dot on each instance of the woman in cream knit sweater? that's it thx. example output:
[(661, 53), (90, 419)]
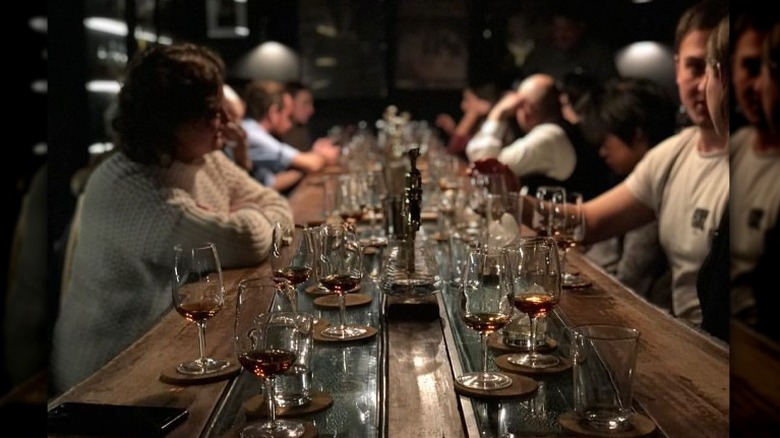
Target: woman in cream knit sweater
[(169, 183)]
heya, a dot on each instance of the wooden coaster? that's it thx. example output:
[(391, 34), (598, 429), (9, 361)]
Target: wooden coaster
[(583, 283), (429, 216), (370, 332), (521, 386), (370, 249), (255, 406), (316, 289), (309, 430), (350, 300), (640, 426), (496, 342), (173, 377), (503, 363)]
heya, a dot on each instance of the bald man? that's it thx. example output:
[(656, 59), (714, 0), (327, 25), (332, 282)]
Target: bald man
[(552, 152)]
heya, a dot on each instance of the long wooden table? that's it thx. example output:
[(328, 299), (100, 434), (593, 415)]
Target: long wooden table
[(681, 381)]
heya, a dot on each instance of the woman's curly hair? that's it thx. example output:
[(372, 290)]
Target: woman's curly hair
[(166, 87)]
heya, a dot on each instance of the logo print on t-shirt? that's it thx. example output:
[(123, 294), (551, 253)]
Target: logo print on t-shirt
[(754, 218), (699, 216)]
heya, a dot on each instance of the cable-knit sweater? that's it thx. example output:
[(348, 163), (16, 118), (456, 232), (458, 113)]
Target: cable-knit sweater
[(133, 215)]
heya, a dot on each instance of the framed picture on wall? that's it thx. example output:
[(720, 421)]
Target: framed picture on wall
[(432, 48), (226, 19)]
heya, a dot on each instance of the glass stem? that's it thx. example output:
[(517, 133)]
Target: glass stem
[(483, 340), (342, 310), (534, 326), (202, 341), (269, 401)]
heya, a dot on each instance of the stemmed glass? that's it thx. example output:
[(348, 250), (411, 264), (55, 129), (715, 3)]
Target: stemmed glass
[(292, 256), (486, 306), (198, 294), (536, 292), (341, 271), (545, 197), (266, 345), (568, 230), (349, 197), (375, 193)]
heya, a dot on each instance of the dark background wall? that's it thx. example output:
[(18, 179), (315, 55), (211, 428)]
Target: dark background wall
[(75, 117)]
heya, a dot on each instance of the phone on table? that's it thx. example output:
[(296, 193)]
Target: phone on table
[(95, 419)]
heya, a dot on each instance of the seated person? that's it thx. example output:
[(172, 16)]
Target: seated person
[(269, 106), (169, 183), (632, 115), (476, 104), (552, 152)]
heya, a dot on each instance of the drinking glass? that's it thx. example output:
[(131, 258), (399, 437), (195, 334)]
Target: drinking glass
[(266, 345), (568, 230), (350, 197), (376, 191), (341, 271), (536, 292), (486, 306), (198, 294), (545, 196), (292, 257)]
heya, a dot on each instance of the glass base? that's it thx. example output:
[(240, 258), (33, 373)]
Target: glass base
[(569, 279), (343, 332), (485, 381), (202, 366), (533, 360), (279, 429)]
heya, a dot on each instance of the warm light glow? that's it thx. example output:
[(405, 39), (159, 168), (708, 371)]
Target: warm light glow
[(325, 61), (103, 86), (119, 28), (650, 60), (100, 148), (326, 30), (40, 86), (268, 61), (39, 24)]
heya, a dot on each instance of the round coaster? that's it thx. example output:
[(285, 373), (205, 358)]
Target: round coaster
[(317, 289), (429, 215), (255, 406), (582, 283), (521, 386), (496, 342), (369, 249), (173, 377), (640, 426), (350, 300), (503, 363), (370, 332)]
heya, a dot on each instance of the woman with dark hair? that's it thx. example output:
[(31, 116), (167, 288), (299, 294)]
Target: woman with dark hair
[(168, 184)]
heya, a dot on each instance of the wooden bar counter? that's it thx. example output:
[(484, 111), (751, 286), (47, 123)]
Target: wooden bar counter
[(681, 379)]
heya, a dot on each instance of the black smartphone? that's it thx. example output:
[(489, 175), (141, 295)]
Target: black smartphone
[(94, 419)]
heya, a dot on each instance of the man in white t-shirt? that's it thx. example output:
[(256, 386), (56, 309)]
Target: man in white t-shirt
[(683, 182)]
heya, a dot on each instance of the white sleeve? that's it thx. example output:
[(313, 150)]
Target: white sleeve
[(487, 142), (545, 150)]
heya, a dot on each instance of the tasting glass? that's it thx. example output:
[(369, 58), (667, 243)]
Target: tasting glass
[(568, 230), (198, 294), (341, 271), (537, 290), (292, 257), (266, 346), (545, 197), (486, 306)]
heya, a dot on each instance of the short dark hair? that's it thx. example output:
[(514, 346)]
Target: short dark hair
[(626, 107), (166, 87), (261, 95), (703, 15)]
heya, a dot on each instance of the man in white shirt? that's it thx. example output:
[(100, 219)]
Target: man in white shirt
[(552, 151)]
